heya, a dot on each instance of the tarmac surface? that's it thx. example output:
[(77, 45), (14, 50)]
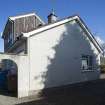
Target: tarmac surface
[(87, 93)]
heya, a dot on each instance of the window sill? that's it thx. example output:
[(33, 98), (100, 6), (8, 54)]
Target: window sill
[(87, 71)]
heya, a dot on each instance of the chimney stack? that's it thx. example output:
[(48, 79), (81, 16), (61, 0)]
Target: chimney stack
[(52, 17)]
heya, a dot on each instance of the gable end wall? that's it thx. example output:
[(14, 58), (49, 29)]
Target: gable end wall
[(55, 57)]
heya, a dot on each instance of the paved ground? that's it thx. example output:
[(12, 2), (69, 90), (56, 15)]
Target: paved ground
[(88, 93), (7, 99)]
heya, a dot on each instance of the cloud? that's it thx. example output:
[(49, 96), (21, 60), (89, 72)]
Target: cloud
[(1, 34), (99, 40)]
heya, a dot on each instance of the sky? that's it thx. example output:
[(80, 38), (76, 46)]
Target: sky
[(91, 11)]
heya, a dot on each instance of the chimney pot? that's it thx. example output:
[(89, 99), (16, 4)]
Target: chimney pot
[(52, 17)]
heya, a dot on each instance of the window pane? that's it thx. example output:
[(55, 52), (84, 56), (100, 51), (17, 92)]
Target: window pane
[(84, 64)]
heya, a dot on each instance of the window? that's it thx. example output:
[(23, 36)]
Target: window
[(86, 62), (10, 39)]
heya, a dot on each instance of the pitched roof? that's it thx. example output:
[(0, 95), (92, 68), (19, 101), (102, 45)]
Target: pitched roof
[(51, 25), (63, 21), (21, 16), (26, 15), (13, 18)]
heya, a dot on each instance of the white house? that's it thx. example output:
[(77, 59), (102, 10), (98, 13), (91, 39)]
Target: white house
[(59, 53)]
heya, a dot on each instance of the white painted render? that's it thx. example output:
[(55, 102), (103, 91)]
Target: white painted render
[(22, 63), (55, 56), (49, 26)]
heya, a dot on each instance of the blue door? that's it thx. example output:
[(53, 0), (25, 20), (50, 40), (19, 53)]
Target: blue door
[(3, 79)]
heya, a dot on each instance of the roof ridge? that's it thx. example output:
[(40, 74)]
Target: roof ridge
[(74, 17), (21, 15)]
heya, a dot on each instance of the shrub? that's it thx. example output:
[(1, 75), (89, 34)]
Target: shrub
[(102, 67)]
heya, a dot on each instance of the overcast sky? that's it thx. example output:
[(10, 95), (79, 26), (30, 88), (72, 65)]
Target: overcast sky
[(91, 11)]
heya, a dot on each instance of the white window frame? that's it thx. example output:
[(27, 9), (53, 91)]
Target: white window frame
[(89, 60)]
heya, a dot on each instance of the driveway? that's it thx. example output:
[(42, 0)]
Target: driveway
[(88, 93)]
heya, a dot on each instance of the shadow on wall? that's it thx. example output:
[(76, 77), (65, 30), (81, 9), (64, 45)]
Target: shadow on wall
[(8, 77), (65, 67)]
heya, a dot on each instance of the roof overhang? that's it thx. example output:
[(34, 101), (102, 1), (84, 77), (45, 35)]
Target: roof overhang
[(26, 15), (49, 26), (71, 18), (5, 27), (16, 43), (13, 18)]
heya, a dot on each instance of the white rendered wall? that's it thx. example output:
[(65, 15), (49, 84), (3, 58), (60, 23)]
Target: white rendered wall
[(21, 62), (23, 76), (55, 57)]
